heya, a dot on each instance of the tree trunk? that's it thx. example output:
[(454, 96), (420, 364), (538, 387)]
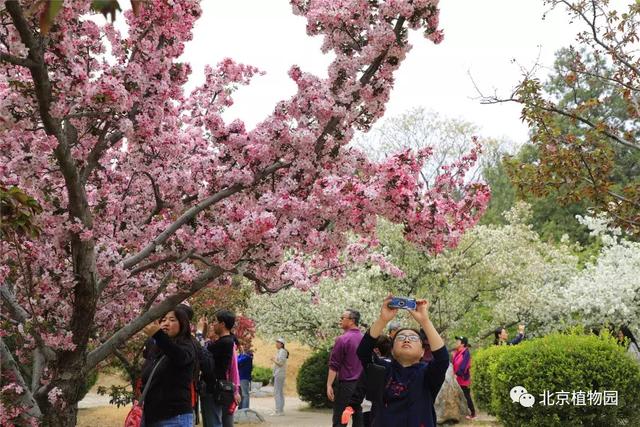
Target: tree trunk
[(64, 413)]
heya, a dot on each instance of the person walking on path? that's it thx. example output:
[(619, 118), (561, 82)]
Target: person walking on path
[(245, 368), (279, 375), (345, 367), (462, 370), (411, 385)]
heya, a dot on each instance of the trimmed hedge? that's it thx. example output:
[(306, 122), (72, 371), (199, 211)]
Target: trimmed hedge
[(312, 379), (560, 363), (482, 373), (260, 374)]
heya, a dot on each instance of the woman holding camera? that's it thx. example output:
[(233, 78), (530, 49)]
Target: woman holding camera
[(410, 386)]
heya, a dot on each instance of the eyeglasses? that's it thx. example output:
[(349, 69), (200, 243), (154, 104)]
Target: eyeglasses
[(410, 338)]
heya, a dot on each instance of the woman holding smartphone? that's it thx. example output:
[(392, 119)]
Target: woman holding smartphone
[(411, 385)]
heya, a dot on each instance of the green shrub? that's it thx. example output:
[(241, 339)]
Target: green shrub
[(260, 374), (312, 379), (90, 381), (483, 367), (566, 363)]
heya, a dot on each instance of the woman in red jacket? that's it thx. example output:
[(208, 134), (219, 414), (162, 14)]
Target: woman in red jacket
[(462, 369)]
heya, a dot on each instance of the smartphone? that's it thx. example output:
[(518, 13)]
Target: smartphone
[(403, 302)]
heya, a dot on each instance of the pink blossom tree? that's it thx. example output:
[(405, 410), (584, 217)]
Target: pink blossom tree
[(148, 195)]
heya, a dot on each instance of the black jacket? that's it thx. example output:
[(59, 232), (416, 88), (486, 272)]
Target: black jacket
[(221, 351), (409, 393), (169, 394)]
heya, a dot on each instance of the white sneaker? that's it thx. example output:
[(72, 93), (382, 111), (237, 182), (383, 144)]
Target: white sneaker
[(278, 414)]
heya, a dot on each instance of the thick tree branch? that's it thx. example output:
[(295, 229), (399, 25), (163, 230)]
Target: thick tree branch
[(22, 316), (14, 60), (126, 332), (486, 334), (227, 192), (26, 398), (365, 79), (37, 369), (93, 159), (194, 211), (18, 313), (157, 195)]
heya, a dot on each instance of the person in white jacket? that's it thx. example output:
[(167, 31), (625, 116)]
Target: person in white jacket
[(279, 375)]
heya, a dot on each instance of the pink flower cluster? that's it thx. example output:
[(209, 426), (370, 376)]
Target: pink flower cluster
[(287, 195)]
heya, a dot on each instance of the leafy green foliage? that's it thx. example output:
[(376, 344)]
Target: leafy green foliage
[(119, 395), (549, 219), (261, 374), (18, 212), (90, 382), (51, 8), (312, 379), (483, 371), (584, 127), (555, 363)]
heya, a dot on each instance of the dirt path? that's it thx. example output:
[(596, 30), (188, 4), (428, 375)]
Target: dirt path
[(94, 414), (297, 414)]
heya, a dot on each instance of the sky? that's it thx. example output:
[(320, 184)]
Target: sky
[(490, 40)]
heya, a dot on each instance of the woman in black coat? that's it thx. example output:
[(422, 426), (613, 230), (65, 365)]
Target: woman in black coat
[(169, 399)]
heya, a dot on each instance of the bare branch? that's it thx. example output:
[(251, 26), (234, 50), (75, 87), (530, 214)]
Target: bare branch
[(551, 109), (592, 24)]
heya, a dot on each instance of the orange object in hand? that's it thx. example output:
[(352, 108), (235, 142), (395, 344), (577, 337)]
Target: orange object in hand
[(346, 415)]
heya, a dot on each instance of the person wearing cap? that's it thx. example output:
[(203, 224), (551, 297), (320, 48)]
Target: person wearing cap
[(345, 367), (462, 370), (279, 375)]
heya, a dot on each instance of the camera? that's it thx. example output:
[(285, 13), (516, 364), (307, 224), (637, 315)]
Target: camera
[(403, 302)]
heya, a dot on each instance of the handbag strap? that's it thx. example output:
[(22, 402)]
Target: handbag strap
[(148, 383)]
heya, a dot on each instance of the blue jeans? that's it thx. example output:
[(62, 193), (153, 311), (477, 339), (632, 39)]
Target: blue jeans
[(182, 420), (245, 387), (211, 413)]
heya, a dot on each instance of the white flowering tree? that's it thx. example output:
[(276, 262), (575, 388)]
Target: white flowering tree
[(606, 291), (496, 275), (311, 317)]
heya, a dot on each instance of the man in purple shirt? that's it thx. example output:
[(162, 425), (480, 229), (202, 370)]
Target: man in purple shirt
[(345, 366)]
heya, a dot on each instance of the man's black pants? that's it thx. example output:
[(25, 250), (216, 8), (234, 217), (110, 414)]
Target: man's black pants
[(343, 391)]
